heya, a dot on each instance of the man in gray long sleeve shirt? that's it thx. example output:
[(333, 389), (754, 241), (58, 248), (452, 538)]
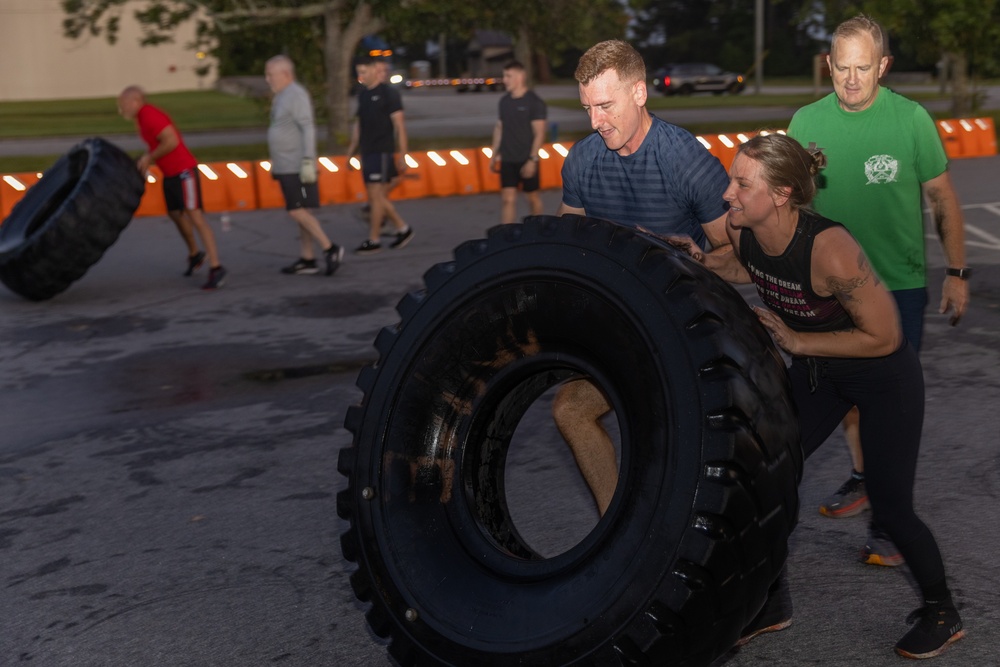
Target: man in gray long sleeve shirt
[(291, 141)]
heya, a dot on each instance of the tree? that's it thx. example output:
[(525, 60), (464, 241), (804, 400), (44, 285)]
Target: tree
[(345, 23), (721, 32), (542, 31), (962, 33)]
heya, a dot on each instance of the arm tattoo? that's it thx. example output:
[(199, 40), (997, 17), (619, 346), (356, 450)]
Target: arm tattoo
[(843, 288)]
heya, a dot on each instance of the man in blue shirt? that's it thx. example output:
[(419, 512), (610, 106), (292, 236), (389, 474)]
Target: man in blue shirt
[(640, 171)]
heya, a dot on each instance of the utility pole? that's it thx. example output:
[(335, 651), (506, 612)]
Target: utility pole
[(758, 46), (442, 55)]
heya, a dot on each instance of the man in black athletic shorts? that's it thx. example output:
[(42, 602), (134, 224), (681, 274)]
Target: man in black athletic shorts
[(517, 137), (291, 141), (378, 125)]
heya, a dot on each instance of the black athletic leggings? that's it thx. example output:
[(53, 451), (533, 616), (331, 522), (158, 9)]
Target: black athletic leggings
[(889, 393)]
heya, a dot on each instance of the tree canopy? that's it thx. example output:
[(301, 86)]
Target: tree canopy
[(959, 33), (541, 31)]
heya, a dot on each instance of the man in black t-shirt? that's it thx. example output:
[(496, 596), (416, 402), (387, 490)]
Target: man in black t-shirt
[(517, 137), (378, 125)]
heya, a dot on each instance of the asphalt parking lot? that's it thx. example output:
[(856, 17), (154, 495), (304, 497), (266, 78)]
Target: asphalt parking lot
[(168, 458)]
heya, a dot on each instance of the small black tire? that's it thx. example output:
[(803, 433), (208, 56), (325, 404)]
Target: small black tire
[(710, 460), (68, 219)]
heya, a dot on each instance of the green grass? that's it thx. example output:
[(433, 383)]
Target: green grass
[(201, 110)]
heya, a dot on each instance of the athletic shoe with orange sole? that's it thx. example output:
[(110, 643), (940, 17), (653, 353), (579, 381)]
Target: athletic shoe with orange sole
[(938, 625), (879, 549), (775, 615), (850, 499)]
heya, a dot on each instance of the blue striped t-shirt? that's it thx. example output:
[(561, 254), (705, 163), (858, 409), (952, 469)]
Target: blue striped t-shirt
[(671, 185)]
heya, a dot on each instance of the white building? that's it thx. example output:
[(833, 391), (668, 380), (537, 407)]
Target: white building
[(37, 62)]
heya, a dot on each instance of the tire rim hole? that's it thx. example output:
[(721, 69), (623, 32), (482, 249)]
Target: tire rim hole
[(548, 501)]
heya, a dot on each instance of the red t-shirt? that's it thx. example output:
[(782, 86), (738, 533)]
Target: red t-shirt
[(151, 122)]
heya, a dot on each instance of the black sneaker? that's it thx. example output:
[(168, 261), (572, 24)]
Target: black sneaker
[(368, 247), (301, 266), (334, 256), (938, 625), (850, 499), (775, 615), (194, 261), (402, 238), (216, 278)]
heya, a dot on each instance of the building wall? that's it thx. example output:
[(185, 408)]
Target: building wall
[(38, 63)]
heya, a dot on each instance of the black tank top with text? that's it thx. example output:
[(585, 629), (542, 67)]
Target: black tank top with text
[(784, 281)]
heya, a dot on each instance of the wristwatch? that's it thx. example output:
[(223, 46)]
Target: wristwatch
[(964, 274), (533, 158)]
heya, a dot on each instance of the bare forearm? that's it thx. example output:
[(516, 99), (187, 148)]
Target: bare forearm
[(538, 136), (352, 147), (400, 126), (497, 134), (951, 230), (847, 343), (948, 219), (724, 263)]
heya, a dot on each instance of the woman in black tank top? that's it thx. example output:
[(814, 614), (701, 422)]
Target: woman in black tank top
[(828, 309)]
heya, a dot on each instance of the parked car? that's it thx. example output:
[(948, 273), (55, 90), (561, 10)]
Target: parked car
[(687, 78)]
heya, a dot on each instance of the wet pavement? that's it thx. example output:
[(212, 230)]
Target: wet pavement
[(168, 456)]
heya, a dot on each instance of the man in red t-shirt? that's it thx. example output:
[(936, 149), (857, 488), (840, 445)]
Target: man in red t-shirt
[(181, 187)]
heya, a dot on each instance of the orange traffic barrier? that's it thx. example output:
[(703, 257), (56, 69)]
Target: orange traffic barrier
[(355, 181), (267, 190), (152, 202), (12, 189), (951, 138), (413, 184), (985, 136), (466, 170), (233, 186), (550, 162), (227, 186), (332, 178), (968, 137), (724, 146), (453, 173), (440, 174), (489, 181), (551, 158)]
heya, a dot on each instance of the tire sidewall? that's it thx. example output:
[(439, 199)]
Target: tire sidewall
[(420, 541)]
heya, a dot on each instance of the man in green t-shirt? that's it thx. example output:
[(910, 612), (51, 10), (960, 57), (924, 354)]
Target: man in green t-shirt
[(883, 153)]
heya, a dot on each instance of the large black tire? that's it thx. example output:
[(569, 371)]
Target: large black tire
[(66, 221), (710, 460)]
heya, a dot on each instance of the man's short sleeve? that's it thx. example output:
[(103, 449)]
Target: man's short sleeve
[(931, 159), (704, 180), (571, 178), (538, 109), (393, 100), (152, 121)]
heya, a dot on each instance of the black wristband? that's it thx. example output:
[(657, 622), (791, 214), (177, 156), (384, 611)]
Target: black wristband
[(964, 274)]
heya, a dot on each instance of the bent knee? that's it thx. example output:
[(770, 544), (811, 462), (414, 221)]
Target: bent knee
[(578, 399)]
